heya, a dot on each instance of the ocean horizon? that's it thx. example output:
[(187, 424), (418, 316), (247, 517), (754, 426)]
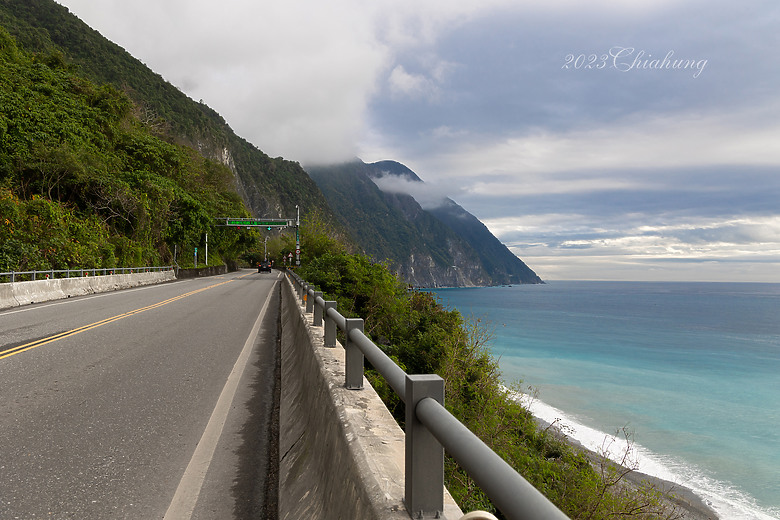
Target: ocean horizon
[(690, 369)]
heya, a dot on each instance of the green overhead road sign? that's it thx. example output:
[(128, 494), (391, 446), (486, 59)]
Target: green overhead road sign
[(255, 222)]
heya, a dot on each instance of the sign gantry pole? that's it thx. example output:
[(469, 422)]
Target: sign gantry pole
[(297, 236)]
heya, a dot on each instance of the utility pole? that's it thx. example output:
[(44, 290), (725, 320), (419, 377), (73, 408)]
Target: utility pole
[(207, 249)]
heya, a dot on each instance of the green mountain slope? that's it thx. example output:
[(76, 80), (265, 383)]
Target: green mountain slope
[(447, 247), (270, 186), (502, 265), (84, 183)]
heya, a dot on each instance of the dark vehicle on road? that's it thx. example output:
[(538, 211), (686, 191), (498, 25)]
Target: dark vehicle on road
[(264, 266)]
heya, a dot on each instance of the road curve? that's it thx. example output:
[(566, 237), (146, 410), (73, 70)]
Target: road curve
[(142, 402)]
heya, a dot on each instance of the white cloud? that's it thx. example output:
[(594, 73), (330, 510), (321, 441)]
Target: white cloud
[(427, 195), (412, 85), (295, 77), (744, 248), (423, 85)]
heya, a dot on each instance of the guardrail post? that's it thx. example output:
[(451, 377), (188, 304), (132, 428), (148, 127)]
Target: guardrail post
[(424, 481), (317, 309), (353, 358), (309, 300), (330, 325)]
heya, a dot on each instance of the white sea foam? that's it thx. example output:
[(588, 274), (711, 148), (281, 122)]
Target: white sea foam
[(729, 502)]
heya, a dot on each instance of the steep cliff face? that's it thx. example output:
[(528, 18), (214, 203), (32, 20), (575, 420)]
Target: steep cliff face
[(422, 271), (388, 227), (450, 263), (393, 226), (500, 264)]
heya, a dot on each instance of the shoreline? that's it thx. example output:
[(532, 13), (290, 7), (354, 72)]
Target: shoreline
[(691, 505), (686, 499)]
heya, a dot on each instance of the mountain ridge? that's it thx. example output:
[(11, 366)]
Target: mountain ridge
[(271, 187), (452, 247)]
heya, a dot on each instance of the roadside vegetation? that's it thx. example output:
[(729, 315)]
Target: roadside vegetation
[(85, 181), (423, 336)]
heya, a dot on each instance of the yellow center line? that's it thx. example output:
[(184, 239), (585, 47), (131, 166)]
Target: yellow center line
[(45, 341)]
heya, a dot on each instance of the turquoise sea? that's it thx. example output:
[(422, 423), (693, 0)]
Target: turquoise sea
[(691, 369)]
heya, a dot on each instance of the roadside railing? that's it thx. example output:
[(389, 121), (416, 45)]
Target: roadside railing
[(18, 276), (430, 428)]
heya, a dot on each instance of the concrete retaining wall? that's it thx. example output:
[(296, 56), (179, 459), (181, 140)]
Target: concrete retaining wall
[(203, 271), (341, 452), (24, 293)]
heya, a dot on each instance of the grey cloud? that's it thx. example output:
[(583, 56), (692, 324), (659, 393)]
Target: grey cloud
[(510, 68), (710, 191)]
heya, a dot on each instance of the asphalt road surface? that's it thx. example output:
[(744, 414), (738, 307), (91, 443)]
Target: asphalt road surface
[(155, 402)]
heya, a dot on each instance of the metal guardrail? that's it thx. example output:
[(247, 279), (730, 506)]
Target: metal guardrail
[(430, 428), (77, 273)]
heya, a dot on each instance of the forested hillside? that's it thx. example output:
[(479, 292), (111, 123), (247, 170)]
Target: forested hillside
[(84, 182), (270, 186)]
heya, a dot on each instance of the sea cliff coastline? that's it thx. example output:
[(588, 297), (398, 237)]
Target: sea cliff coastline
[(682, 498), (685, 500)]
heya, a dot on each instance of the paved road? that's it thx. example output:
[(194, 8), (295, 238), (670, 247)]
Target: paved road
[(147, 403)]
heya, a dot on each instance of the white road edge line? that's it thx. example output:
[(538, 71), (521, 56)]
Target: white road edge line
[(186, 496)]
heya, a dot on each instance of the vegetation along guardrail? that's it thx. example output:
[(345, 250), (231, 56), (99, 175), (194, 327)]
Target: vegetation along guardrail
[(430, 428), (19, 276)]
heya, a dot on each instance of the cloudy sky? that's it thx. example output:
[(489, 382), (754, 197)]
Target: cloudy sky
[(632, 139)]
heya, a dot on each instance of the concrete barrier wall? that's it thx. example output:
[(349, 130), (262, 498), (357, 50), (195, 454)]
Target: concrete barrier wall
[(202, 271), (341, 452), (24, 293)]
